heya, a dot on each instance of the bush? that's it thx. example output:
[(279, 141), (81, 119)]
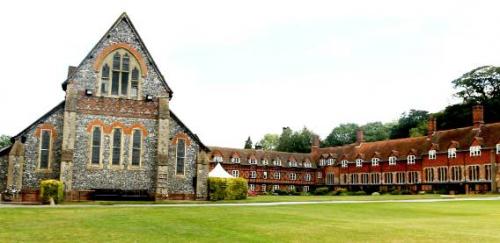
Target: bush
[(396, 192), (51, 189), (406, 192), (281, 192), (227, 188), (341, 191), (321, 191), (375, 194), (359, 193), (294, 193)]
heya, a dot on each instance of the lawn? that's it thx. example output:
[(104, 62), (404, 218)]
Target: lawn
[(457, 221)]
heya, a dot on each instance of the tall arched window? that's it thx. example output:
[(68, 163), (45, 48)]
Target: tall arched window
[(45, 148), (124, 79), (136, 147), (117, 147), (181, 156), (96, 146)]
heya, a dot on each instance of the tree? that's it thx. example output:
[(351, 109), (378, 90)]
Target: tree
[(377, 131), (342, 134), (248, 143), (479, 85), (270, 141), (299, 141), (4, 141), (407, 121)]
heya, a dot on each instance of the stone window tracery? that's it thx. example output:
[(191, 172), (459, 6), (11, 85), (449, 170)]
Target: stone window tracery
[(120, 75)]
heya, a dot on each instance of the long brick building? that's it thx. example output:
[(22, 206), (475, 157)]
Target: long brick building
[(462, 160)]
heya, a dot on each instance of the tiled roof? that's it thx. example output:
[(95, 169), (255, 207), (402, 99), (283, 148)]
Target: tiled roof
[(270, 156)]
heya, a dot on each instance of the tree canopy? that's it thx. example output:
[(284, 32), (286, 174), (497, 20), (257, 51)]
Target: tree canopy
[(407, 121), (4, 141), (270, 141), (342, 134), (248, 143), (479, 85)]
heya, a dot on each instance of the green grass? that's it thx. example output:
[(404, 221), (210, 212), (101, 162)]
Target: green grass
[(457, 221)]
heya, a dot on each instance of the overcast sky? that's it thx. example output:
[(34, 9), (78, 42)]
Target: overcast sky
[(246, 68)]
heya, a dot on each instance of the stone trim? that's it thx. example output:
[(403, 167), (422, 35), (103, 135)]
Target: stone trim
[(131, 148), (181, 135), (90, 165), (46, 126), (106, 51), (38, 135)]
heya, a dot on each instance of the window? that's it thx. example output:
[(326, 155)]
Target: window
[(276, 187), (442, 174), (252, 161), (308, 177), (388, 178), (45, 148), (96, 146), (292, 176), (235, 173), (498, 148), (136, 147), (305, 189), (277, 162), (291, 188), (452, 153), (329, 161), (263, 187), (343, 179), (252, 187), (474, 172), (359, 162), (392, 160), (218, 159), (253, 174), (429, 174), (487, 172), (456, 173), (120, 75), (264, 175), (265, 162), (413, 177), (329, 179), (344, 163), (319, 174), (375, 178), (400, 177), (235, 160), (411, 159), (277, 175), (117, 147), (375, 161), (181, 156), (475, 151), (364, 178), (354, 179), (322, 162), (432, 154), (307, 164)]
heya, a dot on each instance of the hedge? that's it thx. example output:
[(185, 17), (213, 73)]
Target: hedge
[(227, 188), (51, 189)]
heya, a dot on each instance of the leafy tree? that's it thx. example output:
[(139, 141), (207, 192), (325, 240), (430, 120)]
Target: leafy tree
[(298, 141), (4, 141), (270, 141), (479, 85), (342, 134), (419, 130), (248, 143), (377, 131), (407, 121)]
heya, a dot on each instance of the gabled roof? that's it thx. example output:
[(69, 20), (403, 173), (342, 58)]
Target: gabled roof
[(45, 116), (124, 17)]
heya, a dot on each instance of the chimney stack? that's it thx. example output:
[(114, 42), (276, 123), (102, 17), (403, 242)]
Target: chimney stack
[(477, 116), (431, 126), (315, 141), (360, 136)]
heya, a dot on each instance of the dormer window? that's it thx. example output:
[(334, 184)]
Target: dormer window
[(322, 162), (344, 163), (498, 148), (432, 154), (235, 160), (411, 159), (329, 161), (307, 164), (120, 75), (264, 162), (252, 161), (277, 162), (392, 160), (359, 163), (452, 153), (218, 159), (475, 151), (375, 161)]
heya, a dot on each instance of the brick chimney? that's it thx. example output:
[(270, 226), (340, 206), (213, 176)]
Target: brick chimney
[(315, 148), (360, 136), (431, 126), (315, 141), (477, 116)]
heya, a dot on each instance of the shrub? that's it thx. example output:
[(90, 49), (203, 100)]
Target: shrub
[(406, 192), (236, 189), (281, 192), (396, 192), (217, 188), (341, 191), (375, 194), (359, 193), (321, 191), (51, 189), (294, 193)]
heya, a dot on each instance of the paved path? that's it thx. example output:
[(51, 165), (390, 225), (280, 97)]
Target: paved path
[(251, 204)]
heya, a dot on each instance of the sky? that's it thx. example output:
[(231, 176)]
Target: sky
[(247, 68)]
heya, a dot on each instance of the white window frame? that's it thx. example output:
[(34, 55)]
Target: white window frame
[(253, 174), (498, 148), (410, 159), (344, 163), (308, 177), (291, 187), (251, 187), (293, 176), (264, 162), (375, 161), (329, 161), (252, 161), (264, 175), (276, 187), (452, 153), (359, 163), (432, 154), (218, 159), (305, 189), (235, 173), (277, 162), (277, 177), (475, 151), (322, 162), (263, 187), (393, 160)]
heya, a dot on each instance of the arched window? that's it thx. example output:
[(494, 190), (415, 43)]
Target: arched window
[(136, 147), (45, 148), (117, 147), (181, 156), (96, 146), (124, 80)]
